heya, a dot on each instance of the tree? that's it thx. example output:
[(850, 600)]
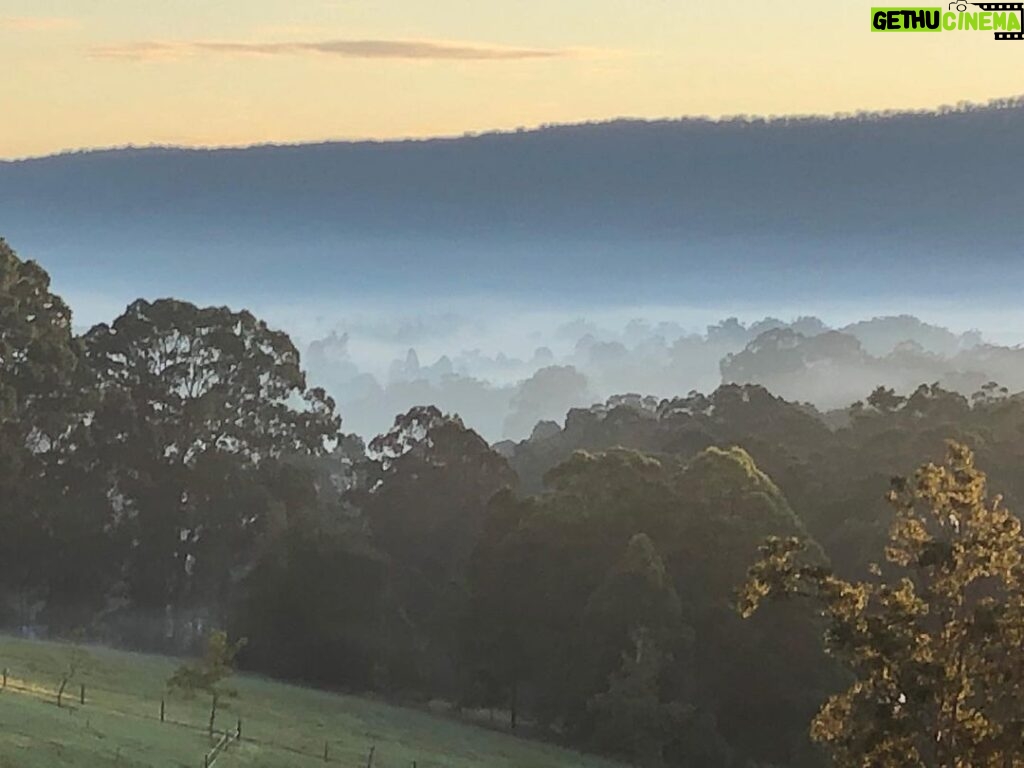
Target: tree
[(631, 619), (77, 660), (36, 348), (885, 400), (631, 718), (194, 403), (208, 674), (637, 595), (761, 680), (498, 624), (436, 477), (188, 380), (738, 505), (38, 360), (425, 508), (315, 607), (556, 605), (933, 639), (548, 394)]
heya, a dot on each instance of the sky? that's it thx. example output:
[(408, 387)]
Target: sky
[(98, 73)]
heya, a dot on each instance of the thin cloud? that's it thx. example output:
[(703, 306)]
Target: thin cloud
[(155, 50), (36, 23)]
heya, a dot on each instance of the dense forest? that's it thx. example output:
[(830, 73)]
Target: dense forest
[(173, 471)]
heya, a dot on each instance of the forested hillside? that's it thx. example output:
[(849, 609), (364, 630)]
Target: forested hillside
[(173, 470), (884, 194)]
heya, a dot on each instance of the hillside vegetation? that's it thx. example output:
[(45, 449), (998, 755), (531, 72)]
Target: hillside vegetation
[(171, 482)]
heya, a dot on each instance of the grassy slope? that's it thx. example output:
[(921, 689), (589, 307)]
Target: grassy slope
[(283, 725)]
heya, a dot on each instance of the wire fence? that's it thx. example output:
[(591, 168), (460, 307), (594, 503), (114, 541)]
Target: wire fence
[(79, 696)]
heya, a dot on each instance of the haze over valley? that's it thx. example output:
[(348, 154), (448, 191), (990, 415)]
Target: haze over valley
[(455, 270)]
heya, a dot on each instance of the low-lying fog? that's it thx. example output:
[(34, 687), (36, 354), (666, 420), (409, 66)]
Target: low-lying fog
[(504, 367)]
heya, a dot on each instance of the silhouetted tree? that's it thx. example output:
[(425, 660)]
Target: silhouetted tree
[(38, 361), (193, 402)]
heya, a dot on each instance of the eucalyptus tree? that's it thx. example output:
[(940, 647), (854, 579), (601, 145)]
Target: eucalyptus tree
[(932, 640), (192, 404)]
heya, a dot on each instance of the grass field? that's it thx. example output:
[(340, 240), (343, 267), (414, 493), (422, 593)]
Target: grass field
[(283, 726)]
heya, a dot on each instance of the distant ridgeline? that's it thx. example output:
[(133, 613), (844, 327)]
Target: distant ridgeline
[(893, 203)]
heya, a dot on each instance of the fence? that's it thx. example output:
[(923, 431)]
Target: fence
[(92, 697), (225, 741)]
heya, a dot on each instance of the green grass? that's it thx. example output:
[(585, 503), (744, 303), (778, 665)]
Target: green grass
[(283, 726)]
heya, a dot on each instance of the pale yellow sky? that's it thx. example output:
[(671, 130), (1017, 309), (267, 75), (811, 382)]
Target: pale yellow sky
[(95, 73)]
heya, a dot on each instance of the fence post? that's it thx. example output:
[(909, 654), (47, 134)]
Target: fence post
[(161, 710), (325, 751), (81, 698), (5, 677), (238, 730), (369, 758)]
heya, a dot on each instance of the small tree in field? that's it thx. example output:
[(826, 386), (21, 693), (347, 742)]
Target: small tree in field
[(933, 641), (209, 673), (77, 661)]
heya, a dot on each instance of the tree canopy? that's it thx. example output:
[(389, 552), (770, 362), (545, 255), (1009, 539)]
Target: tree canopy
[(933, 641)]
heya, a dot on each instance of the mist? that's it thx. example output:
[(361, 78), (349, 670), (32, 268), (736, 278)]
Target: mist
[(477, 275), (504, 374), (504, 366)]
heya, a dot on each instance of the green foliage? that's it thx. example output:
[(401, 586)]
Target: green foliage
[(196, 407), (189, 380), (424, 504), (631, 718), (631, 617), (637, 593), (209, 674), (933, 641), (625, 545), (36, 351), (332, 633), (38, 367)]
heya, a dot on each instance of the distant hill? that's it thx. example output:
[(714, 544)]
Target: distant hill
[(667, 210)]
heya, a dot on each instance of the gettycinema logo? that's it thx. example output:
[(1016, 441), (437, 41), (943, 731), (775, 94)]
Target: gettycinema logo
[(1004, 19)]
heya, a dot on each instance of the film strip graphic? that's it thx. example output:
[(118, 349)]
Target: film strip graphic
[(1012, 7)]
